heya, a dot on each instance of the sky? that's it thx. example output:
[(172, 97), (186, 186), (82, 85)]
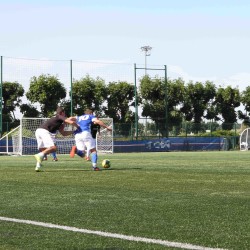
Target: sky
[(199, 40)]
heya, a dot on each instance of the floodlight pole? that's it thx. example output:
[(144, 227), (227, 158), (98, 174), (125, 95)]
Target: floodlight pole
[(147, 50)]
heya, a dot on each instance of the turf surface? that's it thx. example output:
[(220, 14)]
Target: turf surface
[(199, 198)]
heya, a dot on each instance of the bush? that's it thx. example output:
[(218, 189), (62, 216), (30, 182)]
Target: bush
[(219, 133)]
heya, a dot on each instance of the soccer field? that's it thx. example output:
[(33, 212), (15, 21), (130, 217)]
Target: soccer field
[(173, 200)]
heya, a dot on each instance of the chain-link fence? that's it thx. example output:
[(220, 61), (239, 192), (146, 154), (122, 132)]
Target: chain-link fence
[(21, 70)]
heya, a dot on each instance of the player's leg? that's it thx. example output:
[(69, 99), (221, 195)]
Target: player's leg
[(45, 158), (94, 158), (40, 146), (46, 146), (87, 156), (79, 149), (90, 142), (53, 154), (73, 151), (41, 149)]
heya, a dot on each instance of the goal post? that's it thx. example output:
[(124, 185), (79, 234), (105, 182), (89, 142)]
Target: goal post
[(104, 139), (10, 143), (22, 140), (245, 140)]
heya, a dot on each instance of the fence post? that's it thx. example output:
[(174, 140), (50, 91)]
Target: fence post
[(166, 101), (234, 135), (1, 95), (71, 86), (136, 106)]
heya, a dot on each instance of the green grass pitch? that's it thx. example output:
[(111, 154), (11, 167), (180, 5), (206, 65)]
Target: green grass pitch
[(197, 198)]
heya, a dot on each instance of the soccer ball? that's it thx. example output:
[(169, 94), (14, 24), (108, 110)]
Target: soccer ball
[(106, 163)]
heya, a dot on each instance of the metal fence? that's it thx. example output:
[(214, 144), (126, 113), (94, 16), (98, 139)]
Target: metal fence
[(22, 70), (150, 129)]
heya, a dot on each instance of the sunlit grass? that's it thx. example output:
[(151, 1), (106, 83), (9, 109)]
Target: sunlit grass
[(200, 198)]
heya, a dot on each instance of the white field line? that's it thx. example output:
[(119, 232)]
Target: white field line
[(111, 235)]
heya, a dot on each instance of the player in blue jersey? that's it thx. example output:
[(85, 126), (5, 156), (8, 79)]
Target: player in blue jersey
[(94, 129), (83, 137)]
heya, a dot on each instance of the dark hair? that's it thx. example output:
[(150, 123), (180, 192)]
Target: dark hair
[(59, 110), (88, 111)]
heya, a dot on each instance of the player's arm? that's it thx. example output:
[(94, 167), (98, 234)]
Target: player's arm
[(102, 124), (72, 122), (63, 132)]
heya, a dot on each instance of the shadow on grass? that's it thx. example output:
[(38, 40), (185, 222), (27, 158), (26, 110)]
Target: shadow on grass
[(90, 169)]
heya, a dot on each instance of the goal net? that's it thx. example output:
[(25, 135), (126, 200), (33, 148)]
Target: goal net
[(22, 140), (245, 140)]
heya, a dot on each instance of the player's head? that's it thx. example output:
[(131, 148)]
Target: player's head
[(88, 111), (60, 111)]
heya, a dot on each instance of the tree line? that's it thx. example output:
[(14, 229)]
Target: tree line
[(170, 102)]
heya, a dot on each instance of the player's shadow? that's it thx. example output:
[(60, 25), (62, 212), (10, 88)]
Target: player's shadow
[(118, 169), (84, 170)]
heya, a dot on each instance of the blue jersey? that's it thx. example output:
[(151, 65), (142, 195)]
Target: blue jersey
[(84, 121)]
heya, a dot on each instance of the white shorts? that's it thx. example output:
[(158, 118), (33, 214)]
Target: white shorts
[(85, 139), (44, 138)]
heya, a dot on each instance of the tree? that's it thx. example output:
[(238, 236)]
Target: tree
[(245, 100), (197, 98), (48, 91), (88, 93), (153, 93), (120, 97), (176, 93), (227, 99), (29, 111), (11, 94)]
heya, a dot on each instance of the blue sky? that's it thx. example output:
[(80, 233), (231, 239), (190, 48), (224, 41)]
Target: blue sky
[(197, 39)]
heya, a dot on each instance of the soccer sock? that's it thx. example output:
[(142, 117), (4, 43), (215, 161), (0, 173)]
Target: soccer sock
[(88, 153), (94, 159), (80, 153), (53, 154)]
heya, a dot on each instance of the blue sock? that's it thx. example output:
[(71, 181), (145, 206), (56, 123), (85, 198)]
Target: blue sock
[(80, 153), (94, 157), (53, 155)]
